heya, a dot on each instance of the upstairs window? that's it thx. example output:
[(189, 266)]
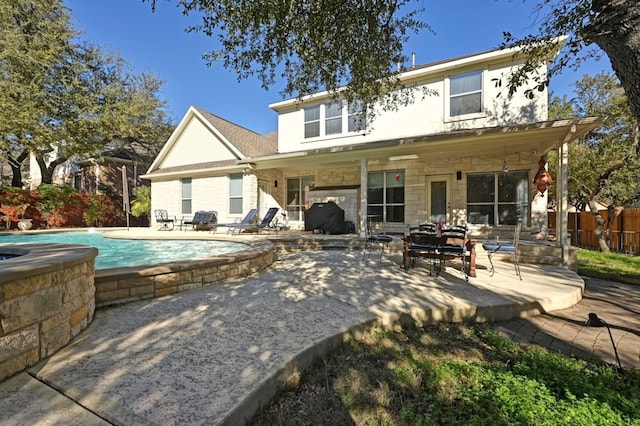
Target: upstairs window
[(312, 121), (333, 118), (356, 117), (465, 94)]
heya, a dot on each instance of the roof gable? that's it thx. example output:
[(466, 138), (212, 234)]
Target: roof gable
[(201, 137), (248, 142)]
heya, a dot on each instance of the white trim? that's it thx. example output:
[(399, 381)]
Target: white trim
[(192, 113), (421, 72)]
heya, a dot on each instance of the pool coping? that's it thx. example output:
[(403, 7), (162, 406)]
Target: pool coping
[(129, 284), (115, 286), (37, 258)]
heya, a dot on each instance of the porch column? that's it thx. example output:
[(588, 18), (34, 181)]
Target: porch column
[(562, 194), (363, 197)]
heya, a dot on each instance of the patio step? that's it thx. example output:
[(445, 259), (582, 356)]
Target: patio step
[(329, 242), (540, 254), (532, 252)]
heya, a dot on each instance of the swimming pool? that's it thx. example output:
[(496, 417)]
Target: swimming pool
[(118, 253)]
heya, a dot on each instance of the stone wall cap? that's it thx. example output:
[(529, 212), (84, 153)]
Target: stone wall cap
[(34, 259)]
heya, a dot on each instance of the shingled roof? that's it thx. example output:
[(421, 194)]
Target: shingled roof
[(248, 142)]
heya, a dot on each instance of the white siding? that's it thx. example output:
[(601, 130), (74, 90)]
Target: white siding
[(195, 145), (165, 195), (427, 114)]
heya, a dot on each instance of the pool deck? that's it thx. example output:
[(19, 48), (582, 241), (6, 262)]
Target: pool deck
[(213, 355)]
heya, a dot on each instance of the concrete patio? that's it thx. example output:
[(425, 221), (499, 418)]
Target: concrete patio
[(214, 354)]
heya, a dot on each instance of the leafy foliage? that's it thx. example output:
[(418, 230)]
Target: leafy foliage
[(604, 165), (454, 374), (55, 206), (313, 45), (141, 205), (60, 97), (54, 201), (580, 25)]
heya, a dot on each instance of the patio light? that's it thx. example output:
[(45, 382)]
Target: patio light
[(595, 321)]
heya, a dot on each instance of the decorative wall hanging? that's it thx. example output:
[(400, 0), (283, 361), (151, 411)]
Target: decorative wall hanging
[(543, 179)]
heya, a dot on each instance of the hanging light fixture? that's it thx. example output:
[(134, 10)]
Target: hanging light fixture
[(505, 168)]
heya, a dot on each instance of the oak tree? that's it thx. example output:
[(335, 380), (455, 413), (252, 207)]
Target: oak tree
[(604, 165), (61, 97)]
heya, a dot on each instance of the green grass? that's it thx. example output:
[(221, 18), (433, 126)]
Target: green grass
[(454, 374), (609, 266), (450, 374)]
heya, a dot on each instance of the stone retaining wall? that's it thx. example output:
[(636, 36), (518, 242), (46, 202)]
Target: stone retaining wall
[(49, 293), (122, 285), (46, 299)]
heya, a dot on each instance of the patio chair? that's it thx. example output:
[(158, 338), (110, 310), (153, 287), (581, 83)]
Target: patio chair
[(264, 224), (424, 242), (201, 220), (493, 247), (454, 246), (164, 222), (372, 239), (247, 220)]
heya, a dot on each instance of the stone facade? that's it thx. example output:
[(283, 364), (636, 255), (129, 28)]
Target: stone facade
[(116, 286), (43, 306), (46, 303)]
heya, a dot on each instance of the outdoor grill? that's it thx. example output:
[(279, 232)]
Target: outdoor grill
[(327, 218)]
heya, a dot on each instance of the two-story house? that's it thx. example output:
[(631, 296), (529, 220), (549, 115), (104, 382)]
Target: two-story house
[(464, 152)]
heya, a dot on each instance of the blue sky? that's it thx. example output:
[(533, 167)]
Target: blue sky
[(157, 43)]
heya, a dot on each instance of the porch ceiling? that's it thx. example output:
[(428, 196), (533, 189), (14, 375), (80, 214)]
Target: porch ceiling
[(540, 137)]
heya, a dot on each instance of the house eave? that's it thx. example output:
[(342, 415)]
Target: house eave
[(423, 72), (207, 171), (504, 140)]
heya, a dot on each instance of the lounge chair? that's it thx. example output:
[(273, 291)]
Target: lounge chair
[(245, 221), (164, 222), (202, 220), (265, 224), (494, 247)]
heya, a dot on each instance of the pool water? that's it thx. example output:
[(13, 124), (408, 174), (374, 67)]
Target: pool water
[(118, 253)]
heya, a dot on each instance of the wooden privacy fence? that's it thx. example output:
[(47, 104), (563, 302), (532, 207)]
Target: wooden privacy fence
[(622, 234)]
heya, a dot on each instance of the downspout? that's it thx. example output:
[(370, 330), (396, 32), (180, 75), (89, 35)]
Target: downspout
[(363, 197)]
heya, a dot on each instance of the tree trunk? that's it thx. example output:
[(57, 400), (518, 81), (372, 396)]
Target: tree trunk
[(46, 175), (47, 171), (603, 244), (602, 181), (615, 30), (16, 169)]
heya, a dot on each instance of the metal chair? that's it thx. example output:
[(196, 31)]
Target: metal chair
[(164, 222), (202, 220), (372, 238), (505, 247), (454, 245), (422, 241)]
